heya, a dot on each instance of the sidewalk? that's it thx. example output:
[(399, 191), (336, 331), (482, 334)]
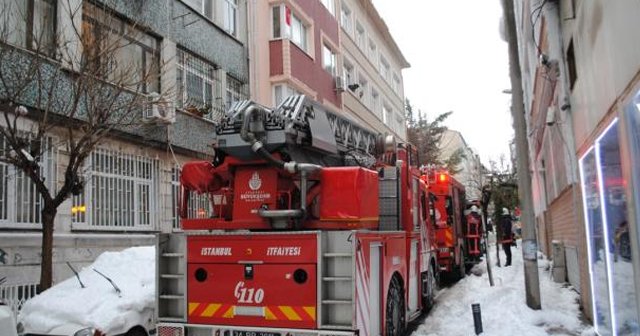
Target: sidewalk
[(504, 311)]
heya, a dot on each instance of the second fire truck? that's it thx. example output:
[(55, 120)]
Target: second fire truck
[(305, 223)]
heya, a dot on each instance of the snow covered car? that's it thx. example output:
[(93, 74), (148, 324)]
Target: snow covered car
[(7, 321), (112, 296)]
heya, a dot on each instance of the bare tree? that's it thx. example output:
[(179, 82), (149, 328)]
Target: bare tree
[(67, 86)]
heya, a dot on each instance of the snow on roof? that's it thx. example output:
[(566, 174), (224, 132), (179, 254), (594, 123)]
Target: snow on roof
[(98, 305)]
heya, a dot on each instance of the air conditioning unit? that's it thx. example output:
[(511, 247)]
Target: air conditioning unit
[(340, 84), (159, 110)]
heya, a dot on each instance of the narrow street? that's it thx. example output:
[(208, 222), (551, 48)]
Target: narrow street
[(504, 311)]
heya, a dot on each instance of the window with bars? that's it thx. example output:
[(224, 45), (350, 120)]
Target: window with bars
[(235, 91), (120, 192), (198, 86), (199, 206), (20, 203)]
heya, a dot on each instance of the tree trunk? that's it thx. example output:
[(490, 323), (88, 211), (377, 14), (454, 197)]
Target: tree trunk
[(46, 264)]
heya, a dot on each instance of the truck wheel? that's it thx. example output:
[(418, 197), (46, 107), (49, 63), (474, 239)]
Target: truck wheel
[(395, 310), (429, 299), (136, 331)]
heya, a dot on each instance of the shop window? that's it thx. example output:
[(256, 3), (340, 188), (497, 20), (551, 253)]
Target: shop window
[(607, 225)]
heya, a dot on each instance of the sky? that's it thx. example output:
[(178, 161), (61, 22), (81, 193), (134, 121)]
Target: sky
[(458, 63)]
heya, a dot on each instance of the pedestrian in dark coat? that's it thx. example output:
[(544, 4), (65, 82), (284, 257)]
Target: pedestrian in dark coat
[(507, 235)]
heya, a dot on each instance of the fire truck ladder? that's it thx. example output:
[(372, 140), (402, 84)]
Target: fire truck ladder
[(306, 124), (171, 305), (337, 293)]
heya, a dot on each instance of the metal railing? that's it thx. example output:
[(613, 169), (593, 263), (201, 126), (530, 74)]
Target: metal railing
[(15, 296)]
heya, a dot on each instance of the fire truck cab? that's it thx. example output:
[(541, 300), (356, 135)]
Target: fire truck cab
[(303, 224)]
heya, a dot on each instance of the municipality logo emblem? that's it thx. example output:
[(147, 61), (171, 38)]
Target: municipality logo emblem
[(255, 182)]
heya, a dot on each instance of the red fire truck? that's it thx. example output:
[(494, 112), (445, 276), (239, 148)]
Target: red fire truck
[(305, 223), (448, 197)]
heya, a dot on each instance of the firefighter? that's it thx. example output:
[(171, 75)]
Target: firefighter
[(507, 235)]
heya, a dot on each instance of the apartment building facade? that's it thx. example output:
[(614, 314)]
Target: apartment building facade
[(371, 66), (197, 53), (320, 48), (470, 171), (581, 80)]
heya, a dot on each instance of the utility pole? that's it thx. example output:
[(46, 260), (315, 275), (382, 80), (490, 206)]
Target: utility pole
[(529, 241)]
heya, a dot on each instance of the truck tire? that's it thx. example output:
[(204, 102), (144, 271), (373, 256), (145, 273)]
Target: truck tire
[(428, 300), (136, 331), (395, 321)]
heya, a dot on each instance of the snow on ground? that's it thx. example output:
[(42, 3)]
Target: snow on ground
[(98, 305), (504, 310)]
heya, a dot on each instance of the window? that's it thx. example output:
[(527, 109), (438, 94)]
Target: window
[(298, 32), (204, 7), (120, 192), (386, 114), (348, 72), (398, 123), (31, 24), (363, 93), (395, 84), (20, 203), (328, 60), (230, 15), (235, 91), (373, 49), (384, 68), (375, 102), (198, 86), (276, 20), (118, 51), (330, 5), (345, 19), (282, 91), (360, 36)]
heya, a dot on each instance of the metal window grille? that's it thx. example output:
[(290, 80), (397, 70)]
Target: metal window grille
[(120, 192), (198, 86), (236, 90), (20, 203), (199, 206), (15, 296)]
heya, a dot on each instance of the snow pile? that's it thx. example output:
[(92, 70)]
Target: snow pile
[(504, 309), (98, 305)]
